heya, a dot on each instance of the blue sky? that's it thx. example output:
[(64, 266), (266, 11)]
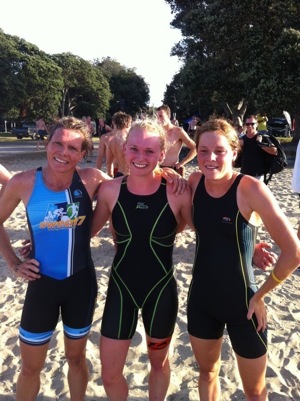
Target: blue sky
[(136, 33)]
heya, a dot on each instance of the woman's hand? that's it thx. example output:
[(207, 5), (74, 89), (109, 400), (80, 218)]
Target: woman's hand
[(257, 306), (26, 249), (179, 184), (262, 257), (27, 270)]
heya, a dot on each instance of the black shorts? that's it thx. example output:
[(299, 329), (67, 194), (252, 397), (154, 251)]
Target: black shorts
[(42, 134), (159, 312), (46, 299), (245, 340)]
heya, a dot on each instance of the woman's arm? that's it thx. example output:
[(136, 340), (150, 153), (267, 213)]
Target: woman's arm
[(106, 199), (5, 176), (256, 197), (16, 190)]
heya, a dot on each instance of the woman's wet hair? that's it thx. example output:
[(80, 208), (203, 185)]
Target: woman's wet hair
[(223, 127), (72, 124), (150, 125)]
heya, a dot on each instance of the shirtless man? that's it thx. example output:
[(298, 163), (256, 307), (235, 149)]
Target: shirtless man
[(176, 137), (104, 139), (41, 130), (115, 160), (91, 128)]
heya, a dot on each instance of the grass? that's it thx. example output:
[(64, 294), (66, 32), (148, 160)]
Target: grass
[(285, 140), (7, 137)]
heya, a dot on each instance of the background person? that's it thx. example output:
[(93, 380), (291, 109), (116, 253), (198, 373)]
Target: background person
[(262, 120), (223, 290), (103, 128), (176, 137), (102, 149), (253, 154), (60, 271), (115, 158), (91, 128), (41, 130), (195, 121)]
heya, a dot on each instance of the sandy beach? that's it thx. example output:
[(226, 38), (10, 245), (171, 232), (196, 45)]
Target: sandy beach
[(283, 373)]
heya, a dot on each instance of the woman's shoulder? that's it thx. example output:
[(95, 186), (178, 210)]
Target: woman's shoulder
[(92, 174), (252, 187), (194, 178), (23, 176), (113, 184)]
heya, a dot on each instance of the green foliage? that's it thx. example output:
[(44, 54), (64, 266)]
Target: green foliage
[(29, 80), (33, 84), (85, 90), (130, 91), (237, 50)]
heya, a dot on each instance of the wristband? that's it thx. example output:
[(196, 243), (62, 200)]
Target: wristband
[(275, 278)]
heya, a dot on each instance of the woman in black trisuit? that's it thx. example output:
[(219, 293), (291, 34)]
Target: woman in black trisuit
[(227, 210), (145, 216)]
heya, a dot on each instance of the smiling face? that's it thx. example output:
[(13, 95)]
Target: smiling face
[(143, 151), (215, 155), (64, 150)]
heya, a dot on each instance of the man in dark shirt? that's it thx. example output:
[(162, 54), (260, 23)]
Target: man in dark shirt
[(253, 151)]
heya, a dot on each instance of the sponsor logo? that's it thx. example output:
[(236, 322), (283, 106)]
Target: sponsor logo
[(77, 193), (141, 205), (226, 220), (62, 216)]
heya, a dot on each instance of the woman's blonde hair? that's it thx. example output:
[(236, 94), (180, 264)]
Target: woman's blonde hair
[(150, 125)]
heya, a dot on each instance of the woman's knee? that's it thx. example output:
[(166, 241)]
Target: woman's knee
[(256, 394), (30, 371), (210, 373), (110, 377)]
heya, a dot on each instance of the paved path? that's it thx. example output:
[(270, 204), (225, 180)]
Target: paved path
[(22, 146)]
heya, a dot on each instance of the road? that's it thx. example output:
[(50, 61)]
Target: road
[(23, 146), (15, 147)]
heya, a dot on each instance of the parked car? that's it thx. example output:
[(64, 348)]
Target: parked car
[(278, 126), (26, 130)]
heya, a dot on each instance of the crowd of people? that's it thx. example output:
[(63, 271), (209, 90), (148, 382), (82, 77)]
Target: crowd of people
[(147, 203)]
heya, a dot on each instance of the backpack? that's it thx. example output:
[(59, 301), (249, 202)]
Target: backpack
[(273, 164)]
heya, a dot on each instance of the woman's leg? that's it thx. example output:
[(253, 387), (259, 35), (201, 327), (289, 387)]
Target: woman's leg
[(113, 355), (208, 356), (253, 372), (75, 351), (33, 359), (159, 378)]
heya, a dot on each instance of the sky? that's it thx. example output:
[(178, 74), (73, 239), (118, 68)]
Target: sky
[(136, 33)]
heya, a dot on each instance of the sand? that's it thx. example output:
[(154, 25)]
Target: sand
[(283, 313)]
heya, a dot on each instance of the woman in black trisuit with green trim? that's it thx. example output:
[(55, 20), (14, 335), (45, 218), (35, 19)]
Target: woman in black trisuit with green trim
[(145, 215)]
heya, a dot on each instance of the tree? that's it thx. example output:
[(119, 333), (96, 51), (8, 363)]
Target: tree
[(240, 50), (85, 89), (29, 80), (130, 91)]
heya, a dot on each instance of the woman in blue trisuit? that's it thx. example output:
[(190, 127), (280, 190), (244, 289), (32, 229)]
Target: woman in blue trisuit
[(60, 271)]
